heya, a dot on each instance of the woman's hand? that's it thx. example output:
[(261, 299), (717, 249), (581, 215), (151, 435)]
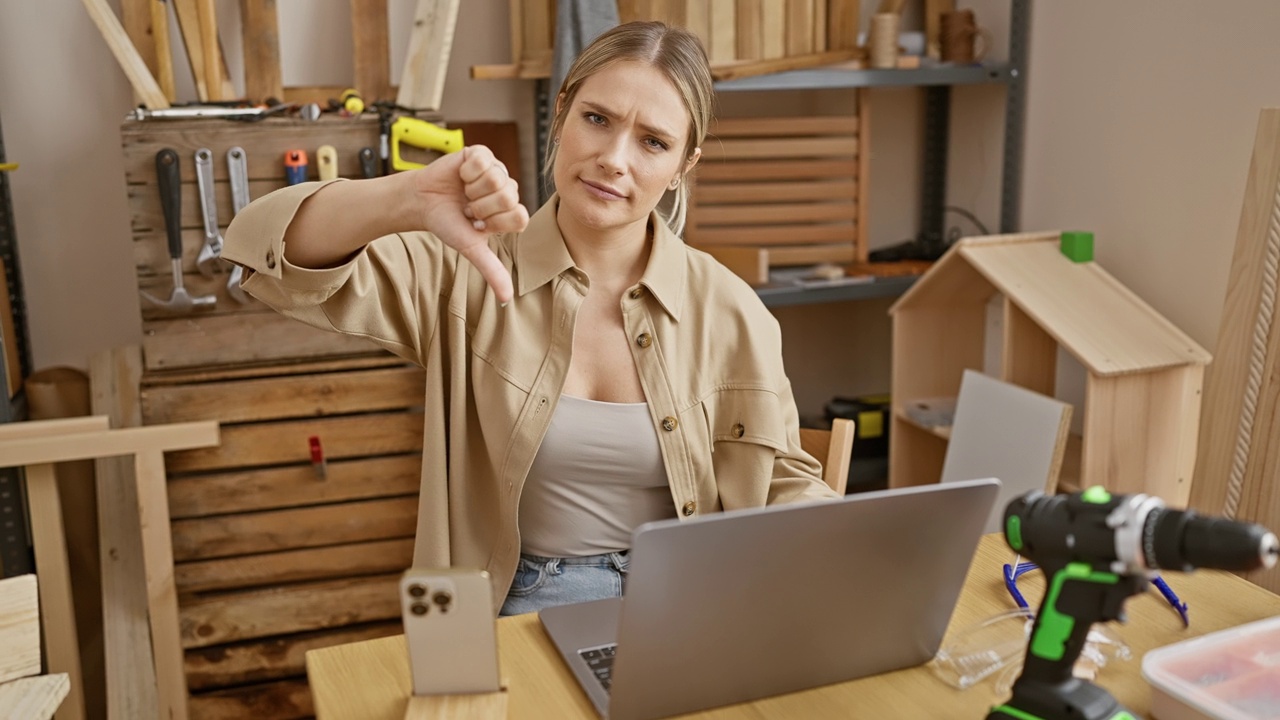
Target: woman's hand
[(465, 197)]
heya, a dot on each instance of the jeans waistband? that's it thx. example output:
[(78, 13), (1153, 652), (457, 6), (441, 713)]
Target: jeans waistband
[(601, 560)]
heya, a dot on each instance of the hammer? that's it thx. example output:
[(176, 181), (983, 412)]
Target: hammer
[(171, 203)]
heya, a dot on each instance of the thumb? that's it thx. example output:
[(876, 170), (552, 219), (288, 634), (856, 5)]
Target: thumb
[(491, 269)]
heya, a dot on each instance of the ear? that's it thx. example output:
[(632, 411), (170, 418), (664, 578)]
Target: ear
[(693, 159), (559, 104)]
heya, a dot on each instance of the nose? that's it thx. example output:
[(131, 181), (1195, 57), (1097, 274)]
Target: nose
[(613, 154)]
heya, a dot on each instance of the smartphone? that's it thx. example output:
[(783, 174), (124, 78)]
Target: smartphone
[(449, 626)]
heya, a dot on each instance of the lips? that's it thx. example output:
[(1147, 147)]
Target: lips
[(604, 191)]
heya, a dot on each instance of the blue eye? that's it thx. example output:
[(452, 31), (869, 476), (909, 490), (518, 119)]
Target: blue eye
[(594, 118), (655, 143)]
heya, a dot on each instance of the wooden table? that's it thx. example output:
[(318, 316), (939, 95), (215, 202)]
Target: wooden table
[(370, 680)]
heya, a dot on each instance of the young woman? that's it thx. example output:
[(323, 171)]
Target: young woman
[(586, 371)]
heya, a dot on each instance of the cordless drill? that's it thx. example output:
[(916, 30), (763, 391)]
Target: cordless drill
[(1097, 550)]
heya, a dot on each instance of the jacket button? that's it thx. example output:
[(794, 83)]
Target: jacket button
[(271, 259), (643, 340), (689, 508), (669, 423), (636, 293), (738, 430)]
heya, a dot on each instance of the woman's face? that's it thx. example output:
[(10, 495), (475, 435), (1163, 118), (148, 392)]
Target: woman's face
[(621, 144)]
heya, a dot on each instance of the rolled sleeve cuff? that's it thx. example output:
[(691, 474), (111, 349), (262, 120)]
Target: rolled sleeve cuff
[(255, 240)]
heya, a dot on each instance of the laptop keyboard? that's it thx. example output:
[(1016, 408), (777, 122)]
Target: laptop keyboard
[(600, 660)]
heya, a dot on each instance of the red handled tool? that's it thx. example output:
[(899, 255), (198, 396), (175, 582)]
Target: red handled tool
[(317, 456)]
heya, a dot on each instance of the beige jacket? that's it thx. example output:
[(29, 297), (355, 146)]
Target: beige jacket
[(709, 357)]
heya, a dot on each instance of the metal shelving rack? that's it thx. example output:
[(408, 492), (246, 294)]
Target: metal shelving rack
[(937, 81), (15, 546)]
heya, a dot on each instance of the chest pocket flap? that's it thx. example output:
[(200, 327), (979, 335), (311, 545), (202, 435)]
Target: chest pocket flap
[(745, 416)]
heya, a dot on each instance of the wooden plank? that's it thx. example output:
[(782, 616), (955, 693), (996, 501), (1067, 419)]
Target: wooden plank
[(57, 612), (776, 235), (147, 217), (295, 608), (289, 566), (286, 397), (749, 263), (147, 24), (781, 170), (1029, 355), (784, 127), (843, 24), (264, 143), (34, 698), (210, 49), (260, 337), (144, 84), (810, 255), (371, 49), (283, 700), (751, 68), (260, 30), (862, 243), (1233, 454), (819, 25), (188, 13), (749, 31), (799, 27), (19, 628), (697, 20), (724, 35), (734, 149), (274, 488), (108, 443), (162, 597), (114, 376), (773, 29), (45, 428), (538, 23), (273, 658), (286, 442), (243, 372), (223, 536), (708, 216), (707, 193)]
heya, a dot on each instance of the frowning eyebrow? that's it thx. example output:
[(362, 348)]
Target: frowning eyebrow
[(652, 130)]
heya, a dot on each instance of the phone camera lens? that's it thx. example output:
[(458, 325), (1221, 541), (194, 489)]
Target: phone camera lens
[(442, 598), (417, 590), (419, 608)]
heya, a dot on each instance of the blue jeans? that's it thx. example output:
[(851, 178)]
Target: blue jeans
[(542, 581)]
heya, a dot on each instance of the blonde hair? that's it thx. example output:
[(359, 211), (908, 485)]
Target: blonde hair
[(678, 54)]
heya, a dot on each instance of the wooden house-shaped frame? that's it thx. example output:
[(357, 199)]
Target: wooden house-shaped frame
[(1144, 375)]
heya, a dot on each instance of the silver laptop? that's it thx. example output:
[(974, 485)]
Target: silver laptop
[(737, 606)]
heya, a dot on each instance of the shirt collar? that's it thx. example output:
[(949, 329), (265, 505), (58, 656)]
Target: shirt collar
[(541, 255)]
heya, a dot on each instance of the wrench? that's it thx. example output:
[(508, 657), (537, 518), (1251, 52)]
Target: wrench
[(238, 170), (171, 203), (212, 248)]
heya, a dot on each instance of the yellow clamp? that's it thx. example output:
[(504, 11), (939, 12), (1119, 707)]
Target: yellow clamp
[(421, 134)]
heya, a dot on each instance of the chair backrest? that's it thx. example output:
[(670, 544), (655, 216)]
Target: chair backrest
[(834, 449)]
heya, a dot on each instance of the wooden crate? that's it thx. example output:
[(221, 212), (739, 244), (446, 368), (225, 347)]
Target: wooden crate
[(270, 559), (230, 333), (781, 191)]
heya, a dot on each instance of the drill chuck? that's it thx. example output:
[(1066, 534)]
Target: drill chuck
[(1133, 533), (1183, 540)]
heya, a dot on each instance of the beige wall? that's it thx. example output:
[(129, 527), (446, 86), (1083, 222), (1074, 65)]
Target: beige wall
[(1139, 125)]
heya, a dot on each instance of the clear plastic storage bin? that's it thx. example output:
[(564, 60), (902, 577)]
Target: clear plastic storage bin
[(1231, 674)]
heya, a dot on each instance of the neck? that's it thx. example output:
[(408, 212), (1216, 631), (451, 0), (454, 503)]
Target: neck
[(615, 257)]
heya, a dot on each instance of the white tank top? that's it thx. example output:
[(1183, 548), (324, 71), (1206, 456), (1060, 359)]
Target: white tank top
[(596, 477)]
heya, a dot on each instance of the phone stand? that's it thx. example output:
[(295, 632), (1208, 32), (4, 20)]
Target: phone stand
[(481, 706)]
